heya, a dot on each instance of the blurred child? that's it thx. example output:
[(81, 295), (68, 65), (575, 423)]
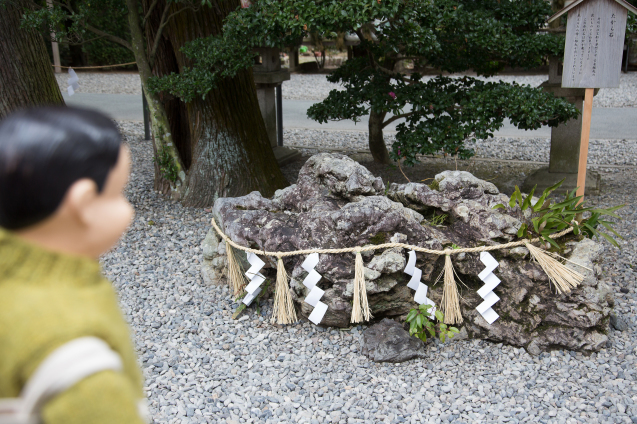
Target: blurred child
[(66, 355)]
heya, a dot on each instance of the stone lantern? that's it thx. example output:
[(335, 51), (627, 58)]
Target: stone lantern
[(268, 77)]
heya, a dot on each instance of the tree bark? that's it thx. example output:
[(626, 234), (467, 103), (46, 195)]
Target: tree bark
[(164, 148), (377, 145), (26, 75), (165, 63), (227, 139)]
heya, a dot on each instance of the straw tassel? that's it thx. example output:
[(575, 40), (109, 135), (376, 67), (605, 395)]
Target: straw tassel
[(284, 311), (236, 279), (450, 303), (360, 308), (563, 278)]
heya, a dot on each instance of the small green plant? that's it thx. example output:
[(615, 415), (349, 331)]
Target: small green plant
[(166, 164), (257, 301), (438, 220), (420, 324), (549, 217)]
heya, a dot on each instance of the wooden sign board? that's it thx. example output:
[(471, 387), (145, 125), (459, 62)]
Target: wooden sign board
[(594, 43)]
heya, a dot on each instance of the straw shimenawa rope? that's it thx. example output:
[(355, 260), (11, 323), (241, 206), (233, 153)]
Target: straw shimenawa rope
[(450, 303), (383, 246), (360, 307), (236, 278), (561, 276), (283, 311)]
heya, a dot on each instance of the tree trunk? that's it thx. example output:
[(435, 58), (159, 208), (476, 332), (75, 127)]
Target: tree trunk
[(377, 145), (26, 75), (165, 63), (226, 135), (165, 153)]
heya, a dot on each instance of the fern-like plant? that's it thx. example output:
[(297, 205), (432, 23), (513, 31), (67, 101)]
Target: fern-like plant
[(551, 217)]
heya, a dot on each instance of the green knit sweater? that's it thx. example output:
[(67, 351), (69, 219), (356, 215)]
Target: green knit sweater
[(48, 299)]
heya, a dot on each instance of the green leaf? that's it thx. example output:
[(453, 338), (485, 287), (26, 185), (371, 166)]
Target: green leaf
[(609, 238), (411, 315), (439, 315), (522, 230), (424, 309), (607, 225), (527, 201), (420, 320), (546, 237)]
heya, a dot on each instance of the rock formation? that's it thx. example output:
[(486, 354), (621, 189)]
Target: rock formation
[(338, 203)]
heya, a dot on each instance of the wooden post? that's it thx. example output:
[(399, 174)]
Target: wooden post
[(583, 148), (54, 46)]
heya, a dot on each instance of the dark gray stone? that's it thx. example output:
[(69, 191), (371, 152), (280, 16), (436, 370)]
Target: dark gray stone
[(339, 203), (387, 341), (618, 322)]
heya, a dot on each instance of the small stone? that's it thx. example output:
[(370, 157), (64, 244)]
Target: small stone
[(533, 348), (618, 322), (387, 341), (624, 290)]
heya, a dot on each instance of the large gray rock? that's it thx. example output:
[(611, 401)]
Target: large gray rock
[(339, 203), (387, 341)]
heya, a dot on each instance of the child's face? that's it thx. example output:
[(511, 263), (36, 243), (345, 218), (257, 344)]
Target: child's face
[(109, 214)]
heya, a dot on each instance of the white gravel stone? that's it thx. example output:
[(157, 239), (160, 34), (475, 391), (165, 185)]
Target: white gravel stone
[(104, 82), (203, 367), (316, 86), (601, 152)]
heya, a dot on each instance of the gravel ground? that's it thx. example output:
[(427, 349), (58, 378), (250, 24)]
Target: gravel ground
[(601, 152), (316, 87), (202, 366), (104, 82)]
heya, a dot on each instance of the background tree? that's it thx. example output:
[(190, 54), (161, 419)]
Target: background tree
[(211, 147), (26, 75), (448, 35)]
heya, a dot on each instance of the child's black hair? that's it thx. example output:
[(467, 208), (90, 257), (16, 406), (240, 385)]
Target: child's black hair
[(43, 151)]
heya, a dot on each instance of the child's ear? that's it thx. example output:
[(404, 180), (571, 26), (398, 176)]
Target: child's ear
[(78, 199)]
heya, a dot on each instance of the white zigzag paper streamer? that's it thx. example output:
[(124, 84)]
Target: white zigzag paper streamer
[(256, 279), (486, 292), (313, 298), (415, 284), (73, 82)]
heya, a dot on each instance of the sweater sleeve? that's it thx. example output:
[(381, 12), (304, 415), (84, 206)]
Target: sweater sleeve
[(107, 397)]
